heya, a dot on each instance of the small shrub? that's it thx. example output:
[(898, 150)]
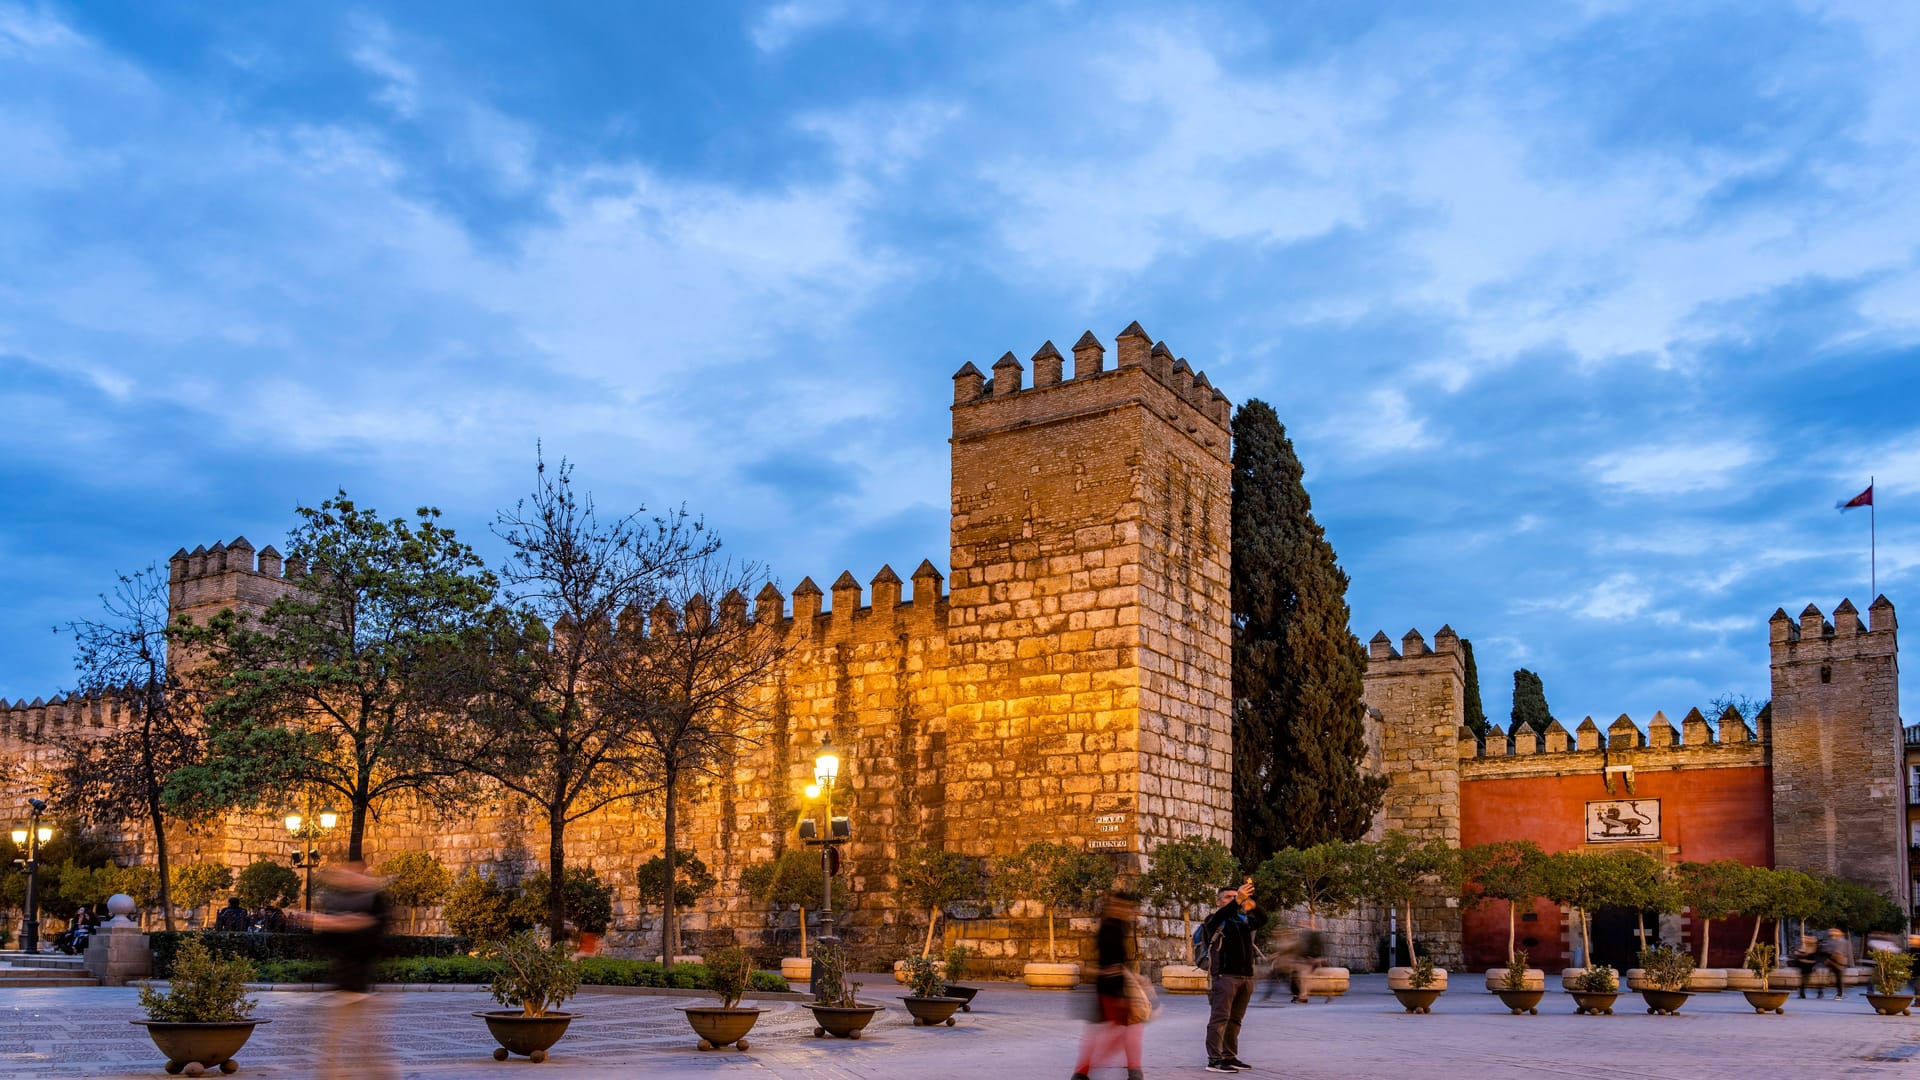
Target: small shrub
[(204, 989), (1598, 979), (480, 909), (267, 948), (1891, 970), (1666, 967), (1761, 958), (830, 985), (728, 971), (924, 978), (266, 882), (1516, 976), (531, 974), (589, 900), (1424, 975), (957, 958), (295, 971)]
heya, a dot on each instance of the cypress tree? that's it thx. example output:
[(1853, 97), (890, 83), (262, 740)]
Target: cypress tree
[(1476, 712), (1298, 718), (1529, 702)]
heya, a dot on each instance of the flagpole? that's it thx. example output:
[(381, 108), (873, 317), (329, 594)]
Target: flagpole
[(1873, 545)]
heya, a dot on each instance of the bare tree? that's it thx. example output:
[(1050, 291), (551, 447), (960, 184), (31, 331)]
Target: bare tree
[(692, 688)]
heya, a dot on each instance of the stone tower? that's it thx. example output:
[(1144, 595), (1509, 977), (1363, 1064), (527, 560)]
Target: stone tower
[(1087, 628), (1838, 802), (1419, 693), (204, 581)]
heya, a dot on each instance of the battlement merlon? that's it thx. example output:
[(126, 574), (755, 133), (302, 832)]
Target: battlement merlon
[(1812, 639), (205, 580), (1147, 375), (848, 620), (1590, 749)]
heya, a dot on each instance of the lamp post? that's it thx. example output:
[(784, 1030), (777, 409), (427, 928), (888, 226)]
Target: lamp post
[(826, 774), (305, 830), (31, 838)]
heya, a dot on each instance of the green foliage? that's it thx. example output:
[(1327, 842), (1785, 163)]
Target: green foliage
[(1516, 976), (931, 878), (1891, 971), (1666, 967), (1530, 712), (196, 884), (692, 880), (531, 974), (1399, 867), (276, 948), (1784, 894), (1715, 890), (264, 882), (470, 971), (1184, 873), (589, 900), (1506, 870), (1597, 979), (924, 977), (728, 972), (957, 960), (204, 989), (1475, 712), (415, 880), (1059, 878), (1298, 720), (1637, 880), (1858, 909), (793, 879), (141, 883), (481, 909), (830, 970), (1424, 973), (1328, 878), (1761, 958)]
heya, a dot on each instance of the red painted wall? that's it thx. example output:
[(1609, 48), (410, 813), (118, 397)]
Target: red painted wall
[(1705, 814)]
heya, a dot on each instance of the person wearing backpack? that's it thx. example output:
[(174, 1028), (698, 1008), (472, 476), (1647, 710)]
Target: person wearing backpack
[(1227, 940)]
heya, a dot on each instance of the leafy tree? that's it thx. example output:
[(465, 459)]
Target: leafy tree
[(691, 881), (589, 900), (1055, 876), (1299, 735), (141, 884), (1401, 866), (691, 687), (264, 882), (1644, 883), (522, 690), (1476, 713), (1778, 895), (415, 880), (330, 688), (932, 878), (795, 878), (1714, 890), (124, 660), (1585, 882), (481, 909), (1857, 909), (1328, 878), (1529, 703), (1508, 870), (196, 884), (1186, 873)]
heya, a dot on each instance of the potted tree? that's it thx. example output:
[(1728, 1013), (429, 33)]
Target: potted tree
[(728, 973), (1398, 869), (1582, 882), (926, 996), (1422, 987), (1713, 890), (837, 1008), (1637, 880), (792, 880), (1761, 956), (1057, 878), (1506, 870), (957, 960), (205, 1016), (1183, 874), (930, 879), (1891, 972), (1520, 987), (1594, 990), (1664, 974), (1328, 878), (532, 979)]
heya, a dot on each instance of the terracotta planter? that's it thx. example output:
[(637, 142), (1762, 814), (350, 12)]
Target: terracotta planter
[(1891, 1004), (1418, 1001), (932, 1011), (1184, 979), (1664, 1002), (1326, 982), (210, 1046), (1051, 976), (528, 1036), (1536, 979), (842, 1021), (1594, 1003), (796, 968), (1401, 978), (1521, 1001), (1767, 1001), (718, 1027), (964, 993)]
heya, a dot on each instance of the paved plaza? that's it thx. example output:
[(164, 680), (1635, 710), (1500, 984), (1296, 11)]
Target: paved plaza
[(1016, 1034)]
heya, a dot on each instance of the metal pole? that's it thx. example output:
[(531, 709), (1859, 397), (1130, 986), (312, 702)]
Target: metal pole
[(30, 925), (826, 878), (308, 864)]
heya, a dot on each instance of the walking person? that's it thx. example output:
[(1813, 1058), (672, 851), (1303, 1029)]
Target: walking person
[(354, 925), (1836, 952), (1806, 958), (1228, 934), (1114, 1032)]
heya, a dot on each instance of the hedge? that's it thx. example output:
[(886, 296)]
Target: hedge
[(594, 971), (273, 948)]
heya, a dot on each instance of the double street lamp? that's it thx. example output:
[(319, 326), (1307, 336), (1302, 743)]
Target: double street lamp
[(826, 774), (31, 838), (305, 830)]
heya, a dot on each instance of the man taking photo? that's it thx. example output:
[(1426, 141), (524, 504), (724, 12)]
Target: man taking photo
[(1228, 934)]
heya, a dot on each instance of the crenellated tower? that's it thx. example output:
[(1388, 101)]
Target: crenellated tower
[(1088, 630)]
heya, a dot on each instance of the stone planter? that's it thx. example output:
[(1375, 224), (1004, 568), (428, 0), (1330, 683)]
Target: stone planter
[(1664, 1002), (1326, 982), (1891, 1004), (528, 1036), (1536, 979), (900, 970), (1051, 976), (932, 1011), (718, 1027), (1859, 976), (1401, 978), (1594, 1003), (1707, 980), (1418, 1001), (1636, 978), (204, 1046), (964, 993), (842, 1021), (1743, 980), (1184, 979), (1788, 978), (796, 968), (1522, 1001), (1767, 1001)]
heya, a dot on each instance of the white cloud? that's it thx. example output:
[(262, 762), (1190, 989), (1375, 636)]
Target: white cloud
[(1678, 469), (1619, 596), (780, 24)]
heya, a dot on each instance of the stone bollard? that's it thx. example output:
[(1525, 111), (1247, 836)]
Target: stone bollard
[(118, 951)]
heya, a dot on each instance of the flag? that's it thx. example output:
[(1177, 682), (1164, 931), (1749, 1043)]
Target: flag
[(1865, 498)]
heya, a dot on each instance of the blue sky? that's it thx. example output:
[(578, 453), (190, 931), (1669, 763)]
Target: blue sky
[(1581, 315)]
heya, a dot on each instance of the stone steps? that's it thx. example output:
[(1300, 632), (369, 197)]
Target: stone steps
[(43, 961)]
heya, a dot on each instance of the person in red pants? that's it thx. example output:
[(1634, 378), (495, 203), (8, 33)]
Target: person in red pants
[(1113, 1032)]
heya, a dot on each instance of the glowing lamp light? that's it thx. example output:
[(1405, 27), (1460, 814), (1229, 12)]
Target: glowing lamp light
[(293, 823), (813, 791), (19, 836), (328, 819), (46, 834), (826, 763)]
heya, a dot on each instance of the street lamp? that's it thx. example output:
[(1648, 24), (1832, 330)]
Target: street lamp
[(305, 830), (31, 838), (826, 774)]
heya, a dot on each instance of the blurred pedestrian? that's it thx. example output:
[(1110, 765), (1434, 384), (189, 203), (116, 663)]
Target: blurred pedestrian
[(233, 918), (1228, 934), (1836, 952), (353, 924), (1296, 951), (1115, 1030), (1806, 957)]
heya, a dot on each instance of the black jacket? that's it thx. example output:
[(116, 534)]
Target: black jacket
[(1229, 935)]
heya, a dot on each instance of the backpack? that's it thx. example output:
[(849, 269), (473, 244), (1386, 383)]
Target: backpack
[(1205, 945)]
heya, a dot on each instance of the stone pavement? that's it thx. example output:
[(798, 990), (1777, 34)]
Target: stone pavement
[(1016, 1034)]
